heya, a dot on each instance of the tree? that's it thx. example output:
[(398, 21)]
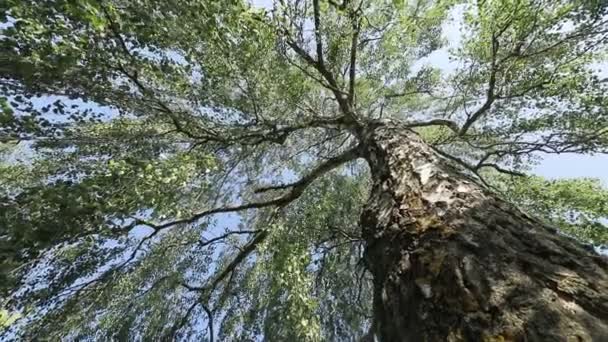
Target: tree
[(368, 194)]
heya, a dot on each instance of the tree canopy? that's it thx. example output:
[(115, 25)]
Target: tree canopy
[(190, 168)]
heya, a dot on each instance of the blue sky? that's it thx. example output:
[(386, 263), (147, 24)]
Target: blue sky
[(574, 165)]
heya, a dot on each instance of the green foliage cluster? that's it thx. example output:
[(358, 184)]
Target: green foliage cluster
[(579, 207), (126, 125)]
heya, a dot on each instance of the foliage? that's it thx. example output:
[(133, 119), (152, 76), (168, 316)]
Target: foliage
[(579, 207), (186, 168)]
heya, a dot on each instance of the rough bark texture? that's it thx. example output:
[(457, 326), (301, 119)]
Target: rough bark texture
[(453, 262)]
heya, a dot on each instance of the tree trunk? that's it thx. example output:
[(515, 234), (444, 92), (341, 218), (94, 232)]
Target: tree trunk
[(453, 262)]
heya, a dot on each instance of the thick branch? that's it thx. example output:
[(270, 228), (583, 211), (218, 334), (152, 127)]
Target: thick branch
[(353, 60), (435, 122), (318, 36), (500, 169), (408, 93), (491, 96)]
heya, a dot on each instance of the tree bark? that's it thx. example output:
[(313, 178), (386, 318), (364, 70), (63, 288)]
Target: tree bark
[(453, 262)]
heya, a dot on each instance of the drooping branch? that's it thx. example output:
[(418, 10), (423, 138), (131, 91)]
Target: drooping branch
[(296, 190), (133, 76), (243, 254), (320, 170), (554, 143), (183, 321), (407, 93), (206, 291), (204, 243), (596, 30), (77, 289)]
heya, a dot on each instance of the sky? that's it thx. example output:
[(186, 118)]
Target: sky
[(569, 165)]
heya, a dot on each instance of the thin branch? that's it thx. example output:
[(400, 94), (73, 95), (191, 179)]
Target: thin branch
[(312, 76), (327, 75), (319, 64), (247, 137), (463, 164), (88, 140), (77, 289), (320, 170), (135, 78), (339, 94), (208, 289), (204, 243)]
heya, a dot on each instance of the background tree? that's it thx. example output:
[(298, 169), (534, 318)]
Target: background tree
[(203, 168)]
